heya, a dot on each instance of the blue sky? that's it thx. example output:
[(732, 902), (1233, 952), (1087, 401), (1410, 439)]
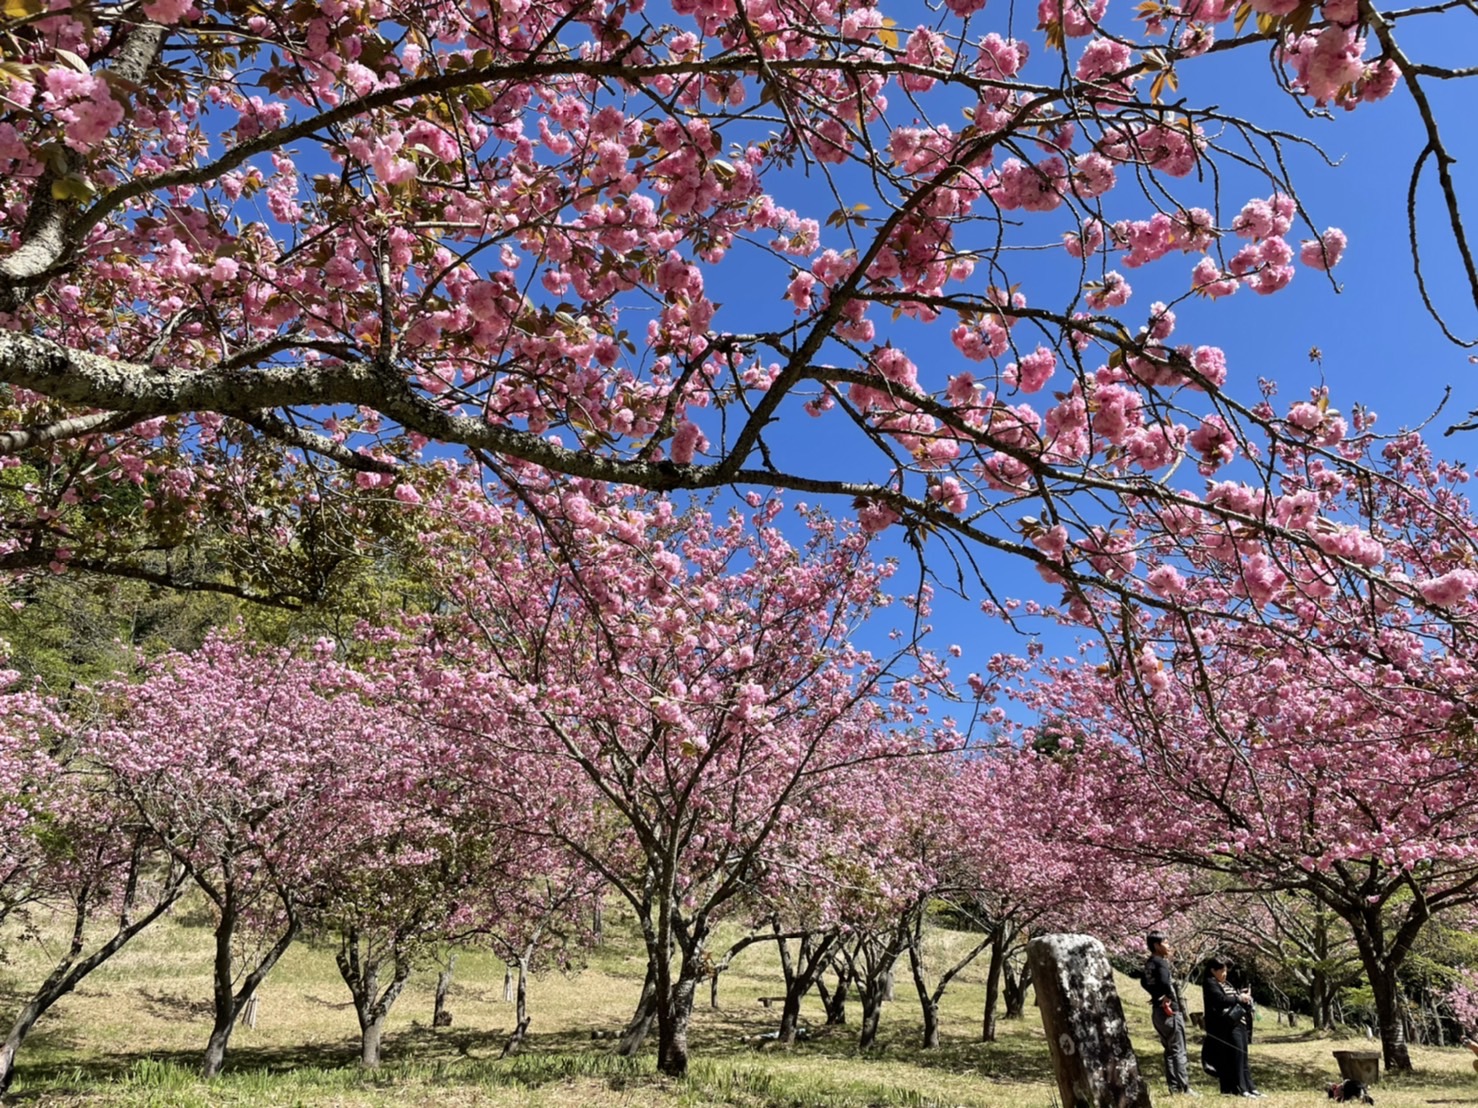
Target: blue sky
[(1378, 346)]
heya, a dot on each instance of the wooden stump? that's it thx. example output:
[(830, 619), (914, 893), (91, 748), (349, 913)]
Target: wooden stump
[(1091, 1055), (1362, 1065)]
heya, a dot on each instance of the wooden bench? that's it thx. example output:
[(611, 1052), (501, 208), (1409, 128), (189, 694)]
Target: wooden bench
[(767, 1001)]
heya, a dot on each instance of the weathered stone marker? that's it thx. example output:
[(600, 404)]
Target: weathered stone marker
[(1362, 1065), (1095, 1065)]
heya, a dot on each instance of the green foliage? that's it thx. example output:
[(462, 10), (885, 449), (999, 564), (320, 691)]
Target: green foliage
[(76, 629)]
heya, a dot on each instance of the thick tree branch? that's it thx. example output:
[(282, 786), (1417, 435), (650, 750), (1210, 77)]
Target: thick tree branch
[(13, 442)]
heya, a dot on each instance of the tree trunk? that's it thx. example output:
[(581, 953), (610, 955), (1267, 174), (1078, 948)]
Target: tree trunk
[(993, 988), (930, 1012), (361, 972), (521, 1006), (1382, 958), (810, 958), (713, 989), (364, 989), (215, 1047), (228, 1002), (370, 1035), (360, 964), (929, 999), (870, 962), (7, 1054), (1390, 1021), (641, 1020), (69, 971), (521, 1000), (1014, 987), (836, 1002), (674, 1011), (440, 1017), (872, 1007), (790, 1017), (928, 1005), (507, 983)]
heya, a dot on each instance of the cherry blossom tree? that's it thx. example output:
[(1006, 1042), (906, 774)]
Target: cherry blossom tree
[(242, 761), (1462, 1000), (1297, 944), (28, 766), (683, 685), (72, 850), (427, 870), (540, 924), (258, 259), (1011, 862), (1302, 726), (855, 872)]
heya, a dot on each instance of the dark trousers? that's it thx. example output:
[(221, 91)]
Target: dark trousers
[(1226, 1051), (1171, 1030)]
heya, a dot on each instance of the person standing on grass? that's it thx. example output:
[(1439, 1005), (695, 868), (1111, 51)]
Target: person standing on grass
[(1228, 1030), (1167, 1012)]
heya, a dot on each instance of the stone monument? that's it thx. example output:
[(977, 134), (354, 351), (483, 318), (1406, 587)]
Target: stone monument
[(1091, 1055)]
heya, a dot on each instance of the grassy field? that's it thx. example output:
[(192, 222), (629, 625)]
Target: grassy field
[(132, 1036)]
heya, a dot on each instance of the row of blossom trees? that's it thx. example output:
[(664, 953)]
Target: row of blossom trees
[(615, 699), (676, 708), (258, 258)]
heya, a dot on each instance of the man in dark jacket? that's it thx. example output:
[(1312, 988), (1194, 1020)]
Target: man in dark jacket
[(1167, 1012)]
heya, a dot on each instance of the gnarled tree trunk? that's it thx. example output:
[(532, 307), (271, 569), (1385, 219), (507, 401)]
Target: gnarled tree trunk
[(360, 964), (641, 1020), (228, 1000)]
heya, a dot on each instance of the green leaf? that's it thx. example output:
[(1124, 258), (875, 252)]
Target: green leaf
[(72, 187), (477, 98), (22, 9)]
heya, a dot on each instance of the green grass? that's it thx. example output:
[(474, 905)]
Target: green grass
[(132, 1035)]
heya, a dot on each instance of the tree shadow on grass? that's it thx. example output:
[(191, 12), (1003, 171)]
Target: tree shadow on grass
[(173, 1006), (39, 1081), (1011, 1059), (331, 1005), (460, 1058)]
